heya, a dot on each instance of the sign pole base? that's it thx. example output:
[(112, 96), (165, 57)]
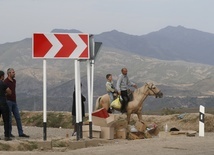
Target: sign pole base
[(44, 131), (90, 129)]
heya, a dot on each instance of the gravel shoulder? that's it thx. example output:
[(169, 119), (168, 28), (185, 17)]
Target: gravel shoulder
[(163, 144)]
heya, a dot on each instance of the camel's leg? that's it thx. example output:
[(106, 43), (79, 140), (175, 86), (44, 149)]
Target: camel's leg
[(128, 117), (139, 114)]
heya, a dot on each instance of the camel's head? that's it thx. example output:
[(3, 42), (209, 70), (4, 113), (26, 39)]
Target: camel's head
[(154, 91)]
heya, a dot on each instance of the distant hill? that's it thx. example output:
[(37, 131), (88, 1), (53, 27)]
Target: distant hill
[(170, 43), (169, 64)]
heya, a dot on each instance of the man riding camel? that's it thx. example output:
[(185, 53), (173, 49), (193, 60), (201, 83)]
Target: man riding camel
[(123, 83)]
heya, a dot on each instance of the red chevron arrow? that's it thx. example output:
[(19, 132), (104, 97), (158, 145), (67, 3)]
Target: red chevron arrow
[(85, 39), (41, 45), (68, 45)]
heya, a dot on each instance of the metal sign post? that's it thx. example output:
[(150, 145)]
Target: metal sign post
[(94, 49), (44, 101), (60, 46), (68, 46), (89, 98), (78, 100)]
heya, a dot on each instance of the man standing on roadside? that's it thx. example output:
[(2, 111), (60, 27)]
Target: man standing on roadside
[(4, 110), (11, 102), (123, 84)]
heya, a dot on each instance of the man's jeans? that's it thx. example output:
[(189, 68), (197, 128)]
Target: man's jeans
[(15, 110), (124, 95), (111, 96)]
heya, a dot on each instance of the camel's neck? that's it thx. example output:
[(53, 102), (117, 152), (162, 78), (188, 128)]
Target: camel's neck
[(144, 96), (141, 95)]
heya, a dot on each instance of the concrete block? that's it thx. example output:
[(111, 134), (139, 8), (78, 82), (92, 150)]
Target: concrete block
[(44, 145), (76, 144)]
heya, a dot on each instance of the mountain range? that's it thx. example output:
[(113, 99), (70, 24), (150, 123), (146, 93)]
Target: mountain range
[(179, 60), (170, 43)]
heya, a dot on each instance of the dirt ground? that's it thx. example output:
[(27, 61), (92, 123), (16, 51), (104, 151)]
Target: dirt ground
[(163, 144)]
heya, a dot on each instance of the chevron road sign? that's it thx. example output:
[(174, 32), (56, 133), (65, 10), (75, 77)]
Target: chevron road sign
[(60, 45)]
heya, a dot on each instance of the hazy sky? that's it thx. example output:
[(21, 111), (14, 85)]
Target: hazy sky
[(19, 19)]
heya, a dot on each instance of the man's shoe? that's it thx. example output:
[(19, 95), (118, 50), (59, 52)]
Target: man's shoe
[(123, 111), (109, 110), (7, 138), (12, 136), (24, 135)]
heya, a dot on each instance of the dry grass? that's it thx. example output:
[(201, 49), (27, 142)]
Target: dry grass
[(189, 121)]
